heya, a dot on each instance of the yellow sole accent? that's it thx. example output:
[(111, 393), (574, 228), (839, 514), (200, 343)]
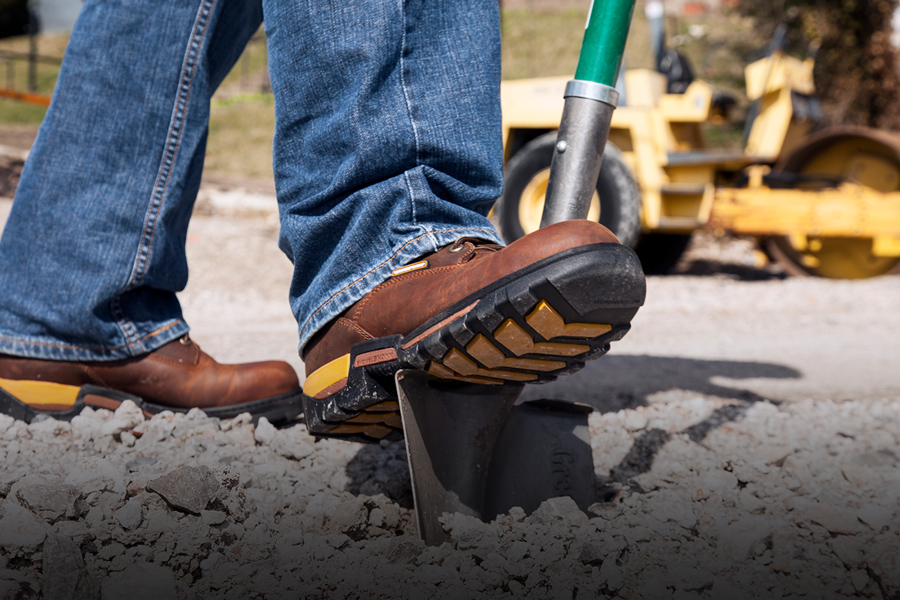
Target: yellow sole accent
[(362, 418), (40, 393), (395, 421), (439, 370), (443, 372), (492, 357), (327, 375), (546, 321), (390, 419), (373, 431), (463, 365), (519, 342)]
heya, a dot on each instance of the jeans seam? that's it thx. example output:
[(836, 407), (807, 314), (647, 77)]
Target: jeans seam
[(125, 325), (76, 347), (409, 112), (386, 261), (170, 151)]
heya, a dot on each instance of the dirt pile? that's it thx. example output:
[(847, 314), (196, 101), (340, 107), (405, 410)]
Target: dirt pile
[(697, 497)]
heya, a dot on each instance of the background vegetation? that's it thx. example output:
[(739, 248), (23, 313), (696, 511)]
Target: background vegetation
[(857, 69)]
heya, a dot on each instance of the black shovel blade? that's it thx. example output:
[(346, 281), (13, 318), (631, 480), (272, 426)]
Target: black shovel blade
[(472, 451)]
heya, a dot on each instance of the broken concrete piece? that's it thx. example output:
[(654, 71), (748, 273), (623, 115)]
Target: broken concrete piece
[(19, 528), (65, 574), (52, 502), (188, 489)]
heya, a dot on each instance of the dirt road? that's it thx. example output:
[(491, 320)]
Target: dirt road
[(721, 327), (732, 332)]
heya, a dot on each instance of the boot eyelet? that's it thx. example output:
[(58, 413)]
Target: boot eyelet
[(457, 247), (185, 341)]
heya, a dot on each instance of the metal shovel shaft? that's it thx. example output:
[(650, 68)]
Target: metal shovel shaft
[(590, 102)]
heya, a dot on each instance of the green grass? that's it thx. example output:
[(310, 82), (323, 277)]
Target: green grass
[(14, 74), (13, 111), (240, 136), (548, 42), (540, 44)]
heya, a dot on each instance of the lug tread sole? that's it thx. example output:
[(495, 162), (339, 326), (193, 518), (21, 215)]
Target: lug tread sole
[(525, 330)]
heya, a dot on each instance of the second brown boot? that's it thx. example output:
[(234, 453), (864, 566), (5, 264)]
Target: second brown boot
[(178, 377)]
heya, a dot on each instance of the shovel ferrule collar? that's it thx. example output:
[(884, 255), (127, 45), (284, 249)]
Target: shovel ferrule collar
[(592, 91)]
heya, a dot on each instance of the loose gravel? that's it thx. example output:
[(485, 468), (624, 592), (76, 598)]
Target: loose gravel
[(698, 497)]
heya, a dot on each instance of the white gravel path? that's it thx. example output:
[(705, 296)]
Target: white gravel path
[(745, 441)]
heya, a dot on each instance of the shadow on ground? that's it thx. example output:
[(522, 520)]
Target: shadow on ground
[(648, 443), (738, 272), (618, 382), (610, 385)]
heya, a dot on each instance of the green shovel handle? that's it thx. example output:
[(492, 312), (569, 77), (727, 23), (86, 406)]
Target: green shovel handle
[(604, 41)]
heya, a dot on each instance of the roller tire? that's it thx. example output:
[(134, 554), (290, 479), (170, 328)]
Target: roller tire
[(620, 199)]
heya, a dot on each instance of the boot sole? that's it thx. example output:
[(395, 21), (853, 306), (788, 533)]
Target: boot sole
[(34, 400), (530, 327)]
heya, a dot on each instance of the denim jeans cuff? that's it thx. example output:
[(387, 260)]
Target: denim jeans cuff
[(350, 293), (47, 348)]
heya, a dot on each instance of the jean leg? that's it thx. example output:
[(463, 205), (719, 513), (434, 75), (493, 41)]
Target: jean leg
[(387, 142), (93, 251)]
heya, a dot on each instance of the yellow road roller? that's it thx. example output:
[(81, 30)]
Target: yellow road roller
[(825, 203)]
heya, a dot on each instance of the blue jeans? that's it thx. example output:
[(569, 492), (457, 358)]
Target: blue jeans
[(387, 147)]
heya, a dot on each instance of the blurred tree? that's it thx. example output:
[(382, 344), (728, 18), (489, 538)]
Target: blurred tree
[(13, 18), (857, 67)]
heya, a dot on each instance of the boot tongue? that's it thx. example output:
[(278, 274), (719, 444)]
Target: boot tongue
[(463, 250), (182, 350)]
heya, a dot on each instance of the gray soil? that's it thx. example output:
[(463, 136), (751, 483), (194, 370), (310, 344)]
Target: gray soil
[(745, 440)]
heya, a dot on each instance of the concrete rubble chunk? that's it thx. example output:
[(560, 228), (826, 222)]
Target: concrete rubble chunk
[(716, 481), (52, 502), (213, 517), (835, 519), (562, 508), (885, 567), (9, 590), (6, 422), (293, 444), (265, 432), (26, 481), (188, 489), (592, 553), (127, 417), (859, 579), (683, 576), (140, 581), (19, 528), (8, 478), (678, 511), (875, 516), (94, 474), (130, 515), (740, 538), (65, 576), (77, 531), (850, 550)]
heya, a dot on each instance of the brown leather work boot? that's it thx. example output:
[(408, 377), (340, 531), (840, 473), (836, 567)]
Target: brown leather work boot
[(473, 312), (178, 377)]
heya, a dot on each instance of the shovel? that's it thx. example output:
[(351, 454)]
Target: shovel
[(471, 448)]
